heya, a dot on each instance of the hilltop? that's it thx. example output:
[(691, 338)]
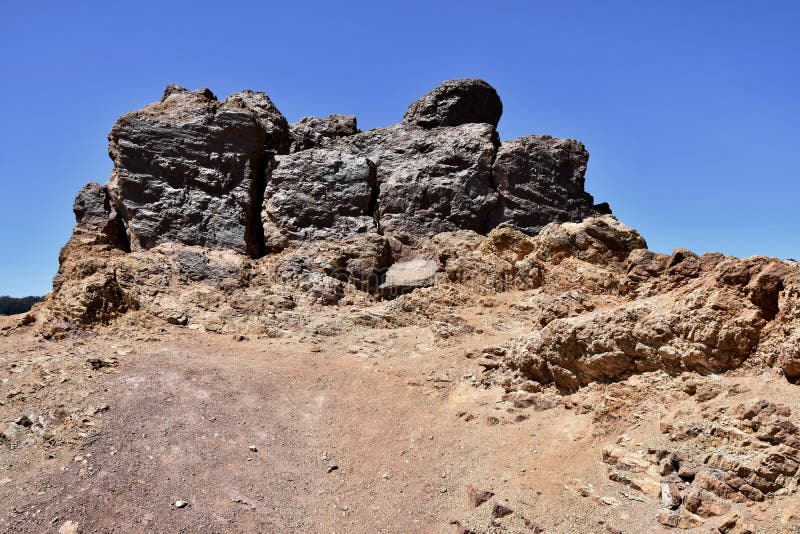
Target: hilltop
[(416, 328)]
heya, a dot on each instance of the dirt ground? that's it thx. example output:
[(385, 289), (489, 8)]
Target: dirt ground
[(370, 430)]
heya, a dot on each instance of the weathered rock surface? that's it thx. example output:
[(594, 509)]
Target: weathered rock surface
[(97, 219), (707, 313), (315, 132), (456, 102), (318, 194), (430, 181), (405, 276), (435, 206), (540, 180), (234, 175), (190, 169)]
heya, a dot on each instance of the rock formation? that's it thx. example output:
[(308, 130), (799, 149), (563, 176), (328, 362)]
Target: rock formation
[(196, 171), (219, 213), (190, 169), (458, 310)]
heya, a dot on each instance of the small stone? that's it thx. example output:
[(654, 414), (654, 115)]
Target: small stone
[(24, 421), (501, 511), (332, 467), (98, 363), (476, 497), (253, 448), (68, 527), (10, 432), (181, 504), (668, 519)]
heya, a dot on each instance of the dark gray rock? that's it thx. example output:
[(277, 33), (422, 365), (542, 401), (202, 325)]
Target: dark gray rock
[(190, 169), (318, 194), (266, 115), (455, 102), (540, 180), (314, 132), (97, 218), (430, 181)]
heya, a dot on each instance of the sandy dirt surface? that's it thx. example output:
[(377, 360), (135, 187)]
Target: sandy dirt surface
[(372, 430)]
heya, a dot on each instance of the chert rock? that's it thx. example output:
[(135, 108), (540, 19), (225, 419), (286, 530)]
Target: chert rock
[(314, 132), (190, 169), (540, 180), (430, 181), (456, 102), (318, 194)]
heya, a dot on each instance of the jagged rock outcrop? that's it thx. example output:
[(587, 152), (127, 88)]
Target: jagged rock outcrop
[(97, 219), (314, 132), (677, 313), (190, 169), (540, 180), (456, 102), (219, 214), (234, 175)]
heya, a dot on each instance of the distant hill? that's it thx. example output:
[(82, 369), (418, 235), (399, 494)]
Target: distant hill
[(12, 306)]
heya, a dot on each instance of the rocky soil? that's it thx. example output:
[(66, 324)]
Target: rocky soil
[(264, 327)]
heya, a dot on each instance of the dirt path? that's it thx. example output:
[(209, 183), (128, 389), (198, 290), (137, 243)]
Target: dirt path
[(390, 409)]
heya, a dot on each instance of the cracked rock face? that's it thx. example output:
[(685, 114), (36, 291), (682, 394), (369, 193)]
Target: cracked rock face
[(541, 180), (97, 218), (190, 169), (430, 181), (199, 172), (314, 132), (318, 194)]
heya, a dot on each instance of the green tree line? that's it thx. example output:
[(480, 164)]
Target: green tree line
[(11, 305)]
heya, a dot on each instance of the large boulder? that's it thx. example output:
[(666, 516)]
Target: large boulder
[(540, 180), (190, 169), (430, 181), (318, 194), (314, 132), (456, 102)]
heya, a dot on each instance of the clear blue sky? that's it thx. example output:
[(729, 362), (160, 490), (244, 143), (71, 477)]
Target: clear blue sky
[(689, 109)]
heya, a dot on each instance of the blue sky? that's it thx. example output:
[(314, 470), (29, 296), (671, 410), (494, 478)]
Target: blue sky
[(689, 109)]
